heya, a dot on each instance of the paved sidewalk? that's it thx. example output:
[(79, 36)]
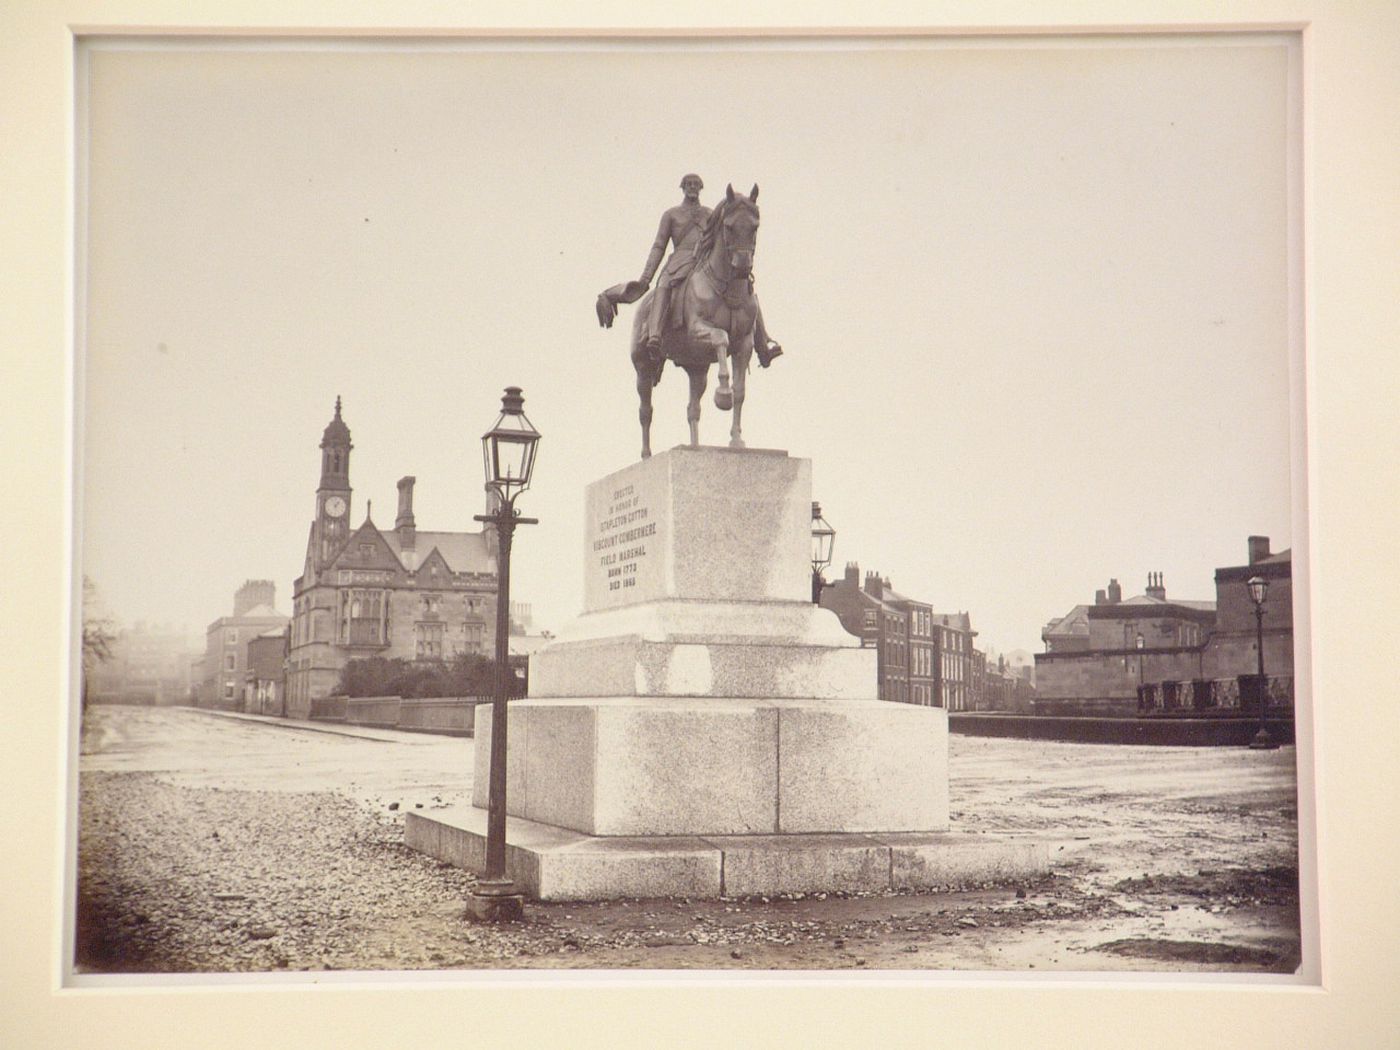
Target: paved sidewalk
[(388, 736)]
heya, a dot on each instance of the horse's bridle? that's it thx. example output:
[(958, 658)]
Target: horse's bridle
[(731, 298)]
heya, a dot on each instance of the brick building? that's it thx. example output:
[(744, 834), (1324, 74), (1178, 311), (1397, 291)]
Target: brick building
[(148, 665), (924, 657), (1232, 647), (224, 668), (264, 684), (367, 591), (1093, 662)]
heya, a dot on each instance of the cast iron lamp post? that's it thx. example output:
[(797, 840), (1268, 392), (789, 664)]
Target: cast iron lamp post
[(1258, 589), (823, 540), (508, 450)]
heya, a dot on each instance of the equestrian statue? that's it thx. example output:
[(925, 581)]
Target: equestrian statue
[(703, 310)]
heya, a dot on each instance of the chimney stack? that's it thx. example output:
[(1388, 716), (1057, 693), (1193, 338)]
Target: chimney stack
[(873, 585), (1258, 549), (405, 518), (1115, 592), (853, 573), (1100, 597), (1155, 587), (254, 593)]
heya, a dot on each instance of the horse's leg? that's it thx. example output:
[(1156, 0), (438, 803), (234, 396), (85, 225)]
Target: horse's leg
[(699, 376), (741, 372), (716, 341), (646, 379), (644, 385)]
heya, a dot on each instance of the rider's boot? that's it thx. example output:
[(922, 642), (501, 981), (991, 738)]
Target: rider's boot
[(656, 323), (765, 348)]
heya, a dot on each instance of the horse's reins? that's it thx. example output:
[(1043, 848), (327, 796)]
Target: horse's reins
[(723, 286)]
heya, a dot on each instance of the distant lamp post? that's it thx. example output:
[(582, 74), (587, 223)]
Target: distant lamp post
[(508, 450), (1141, 643), (1258, 591), (823, 540)]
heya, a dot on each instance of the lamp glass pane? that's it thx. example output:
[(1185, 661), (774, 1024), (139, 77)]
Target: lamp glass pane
[(509, 453), (823, 540)]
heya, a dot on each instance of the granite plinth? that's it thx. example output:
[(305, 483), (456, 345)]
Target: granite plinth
[(756, 669), (702, 724), (552, 864), (697, 582), (721, 766), (707, 524)]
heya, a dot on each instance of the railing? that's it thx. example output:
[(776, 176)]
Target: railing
[(1217, 695)]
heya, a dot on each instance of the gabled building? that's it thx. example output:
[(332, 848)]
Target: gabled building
[(366, 591), (1096, 656)]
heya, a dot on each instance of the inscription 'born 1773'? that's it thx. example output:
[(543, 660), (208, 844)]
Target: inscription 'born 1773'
[(621, 543)]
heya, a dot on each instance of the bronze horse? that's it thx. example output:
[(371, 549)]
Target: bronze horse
[(716, 309)]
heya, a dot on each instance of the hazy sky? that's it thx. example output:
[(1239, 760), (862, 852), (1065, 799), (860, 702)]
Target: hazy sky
[(1034, 299)]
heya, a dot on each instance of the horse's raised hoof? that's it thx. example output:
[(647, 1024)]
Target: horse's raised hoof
[(737, 443), (724, 398)]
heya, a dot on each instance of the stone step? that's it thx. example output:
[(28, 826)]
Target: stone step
[(554, 864)]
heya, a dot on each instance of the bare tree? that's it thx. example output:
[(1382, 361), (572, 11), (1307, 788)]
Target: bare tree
[(98, 634)]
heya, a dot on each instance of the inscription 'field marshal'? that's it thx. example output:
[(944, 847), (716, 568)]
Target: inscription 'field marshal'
[(657, 531), (620, 552), (625, 537)]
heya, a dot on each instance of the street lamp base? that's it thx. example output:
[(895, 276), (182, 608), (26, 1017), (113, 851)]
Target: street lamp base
[(1262, 741), (495, 901)]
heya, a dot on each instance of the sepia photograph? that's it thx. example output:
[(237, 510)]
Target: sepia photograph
[(748, 505), (786, 525)]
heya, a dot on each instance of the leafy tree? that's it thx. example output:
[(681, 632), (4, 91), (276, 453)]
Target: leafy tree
[(466, 674)]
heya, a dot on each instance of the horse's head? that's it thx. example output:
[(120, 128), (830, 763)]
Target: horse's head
[(736, 230)]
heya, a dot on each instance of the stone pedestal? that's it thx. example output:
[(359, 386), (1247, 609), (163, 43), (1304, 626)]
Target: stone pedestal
[(702, 708)]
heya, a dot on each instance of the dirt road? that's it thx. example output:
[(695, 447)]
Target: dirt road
[(212, 844)]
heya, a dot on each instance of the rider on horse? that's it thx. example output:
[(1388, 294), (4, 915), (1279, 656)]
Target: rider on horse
[(682, 227)]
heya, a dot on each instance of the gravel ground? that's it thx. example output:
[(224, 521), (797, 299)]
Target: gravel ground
[(204, 846)]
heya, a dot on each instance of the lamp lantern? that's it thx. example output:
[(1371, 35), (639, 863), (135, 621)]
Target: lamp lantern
[(508, 448), (823, 541), (1258, 590)]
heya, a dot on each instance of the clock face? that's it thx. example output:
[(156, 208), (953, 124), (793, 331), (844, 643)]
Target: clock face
[(335, 506)]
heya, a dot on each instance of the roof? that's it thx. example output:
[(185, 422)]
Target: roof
[(1076, 621), (1147, 599), (257, 616), (957, 621), (463, 551)]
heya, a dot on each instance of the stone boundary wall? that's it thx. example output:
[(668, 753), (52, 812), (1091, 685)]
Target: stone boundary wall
[(381, 712), (1170, 732), (447, 715), (328, 709)]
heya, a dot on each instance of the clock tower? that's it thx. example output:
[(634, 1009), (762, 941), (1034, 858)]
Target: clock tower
[(333, 493)]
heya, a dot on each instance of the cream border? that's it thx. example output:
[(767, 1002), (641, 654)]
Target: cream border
[(1351, 294)]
